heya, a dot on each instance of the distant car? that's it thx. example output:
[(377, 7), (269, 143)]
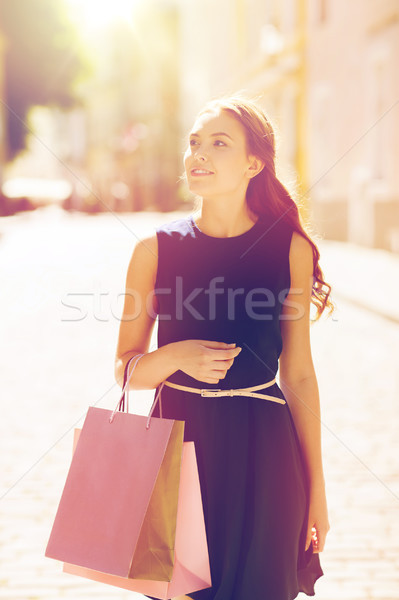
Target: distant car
[(24, 193)]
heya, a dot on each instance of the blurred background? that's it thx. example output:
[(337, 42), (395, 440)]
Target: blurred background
[(96, 100)]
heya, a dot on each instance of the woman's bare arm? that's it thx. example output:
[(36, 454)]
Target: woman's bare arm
[(138, 320), (297, 375)]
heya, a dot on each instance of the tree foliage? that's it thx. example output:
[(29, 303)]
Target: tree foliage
[(44, 57)]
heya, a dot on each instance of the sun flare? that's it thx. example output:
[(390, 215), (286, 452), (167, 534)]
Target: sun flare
[(100, 13)]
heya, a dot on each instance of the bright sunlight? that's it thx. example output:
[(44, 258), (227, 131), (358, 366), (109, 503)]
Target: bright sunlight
[(99, 13)]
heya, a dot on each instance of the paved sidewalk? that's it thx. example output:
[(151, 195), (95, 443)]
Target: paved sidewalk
[(367, 277)]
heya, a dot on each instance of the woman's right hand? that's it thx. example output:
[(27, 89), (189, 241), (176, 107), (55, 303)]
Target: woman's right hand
[(204, 360)]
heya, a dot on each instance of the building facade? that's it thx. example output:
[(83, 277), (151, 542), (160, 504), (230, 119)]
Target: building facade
[(352, 57)]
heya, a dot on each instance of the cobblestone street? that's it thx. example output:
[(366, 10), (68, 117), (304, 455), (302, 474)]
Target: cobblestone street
[(63, 278)]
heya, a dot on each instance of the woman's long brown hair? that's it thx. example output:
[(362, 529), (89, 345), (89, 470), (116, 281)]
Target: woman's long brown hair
[(266, 195)]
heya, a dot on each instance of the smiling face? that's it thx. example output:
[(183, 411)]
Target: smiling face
[(216, 160)]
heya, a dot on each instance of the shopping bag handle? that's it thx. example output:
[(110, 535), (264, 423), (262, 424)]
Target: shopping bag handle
[(124, 400)]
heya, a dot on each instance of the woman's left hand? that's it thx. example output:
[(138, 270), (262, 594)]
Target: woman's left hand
[(318, 525)]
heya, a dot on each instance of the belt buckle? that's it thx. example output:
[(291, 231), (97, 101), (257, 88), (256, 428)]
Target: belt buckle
[(205, 392)]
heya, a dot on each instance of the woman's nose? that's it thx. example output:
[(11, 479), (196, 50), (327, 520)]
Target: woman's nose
[(199, 154)]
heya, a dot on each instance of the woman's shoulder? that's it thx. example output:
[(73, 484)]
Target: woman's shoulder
[(301, 254), (175, 228), (300, 245), (145, 253), (174, 233), (148, 244)]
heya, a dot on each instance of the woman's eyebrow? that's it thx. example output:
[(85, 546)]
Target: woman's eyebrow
[(219, 133)]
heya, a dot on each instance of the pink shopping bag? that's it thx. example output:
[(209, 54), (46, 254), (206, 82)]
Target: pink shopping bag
[(191, 570), (117, 513), (131, 512), (118, 510)]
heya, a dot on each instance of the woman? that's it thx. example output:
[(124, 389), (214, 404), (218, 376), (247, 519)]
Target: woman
[(232, 286)]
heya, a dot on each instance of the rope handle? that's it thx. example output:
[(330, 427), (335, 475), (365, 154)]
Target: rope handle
[(124, 399)]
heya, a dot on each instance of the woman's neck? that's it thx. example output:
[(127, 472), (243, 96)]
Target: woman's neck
[(224, 221)]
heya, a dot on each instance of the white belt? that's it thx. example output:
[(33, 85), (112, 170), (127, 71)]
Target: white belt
[(213, 393)]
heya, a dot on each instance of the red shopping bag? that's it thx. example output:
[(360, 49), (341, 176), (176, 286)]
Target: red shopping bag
[(118, 510), (191, 564)]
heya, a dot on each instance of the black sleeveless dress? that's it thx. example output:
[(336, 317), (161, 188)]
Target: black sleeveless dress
[(253, 483)]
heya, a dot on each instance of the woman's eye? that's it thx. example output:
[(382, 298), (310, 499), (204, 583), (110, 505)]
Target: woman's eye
[(218, 143)]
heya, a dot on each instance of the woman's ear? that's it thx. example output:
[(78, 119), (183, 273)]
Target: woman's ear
[(255, 166)]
